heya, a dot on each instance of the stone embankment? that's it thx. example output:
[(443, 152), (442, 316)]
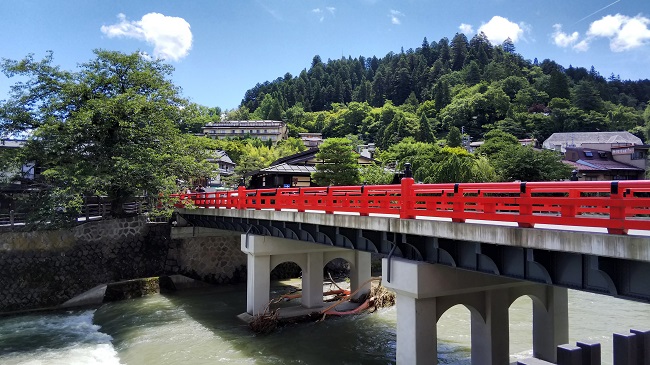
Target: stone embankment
[(44, 269)]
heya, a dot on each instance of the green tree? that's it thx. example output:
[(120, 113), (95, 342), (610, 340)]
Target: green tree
[(426, 133), (495, 141), (110, 129), (339, 164), (197, 116), (454, 139), (558, 86), (375, 175), (523, 163), (459, 47), (508, 46), (458, 166), (587, 97)]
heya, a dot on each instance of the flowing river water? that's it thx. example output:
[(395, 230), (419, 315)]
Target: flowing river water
[(200, 327)]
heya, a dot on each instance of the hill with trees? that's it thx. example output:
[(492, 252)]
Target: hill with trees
[(464, 83)]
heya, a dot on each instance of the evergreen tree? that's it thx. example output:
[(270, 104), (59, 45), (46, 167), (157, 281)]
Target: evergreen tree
[(558, 86), (587, 97), (473, 74), (425, 133), (454, 138), (459, 47), (444, 53), (508, 46), (441, 95), (339, 165)]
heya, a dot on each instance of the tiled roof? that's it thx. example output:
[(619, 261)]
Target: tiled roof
[(245, 123), (286, 168), (600, 165), (297, 157), (578, 138)]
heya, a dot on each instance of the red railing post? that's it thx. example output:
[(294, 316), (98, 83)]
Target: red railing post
[(525, 206), (328, 199), (458, 206), (406, 195), (570, 209), (300, 200), (363, 202), (241, 197), (616, 210)]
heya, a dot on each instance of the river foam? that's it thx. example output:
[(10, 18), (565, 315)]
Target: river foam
[(55, 339)]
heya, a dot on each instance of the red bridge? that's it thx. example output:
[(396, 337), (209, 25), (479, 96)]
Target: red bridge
[(618, 206)]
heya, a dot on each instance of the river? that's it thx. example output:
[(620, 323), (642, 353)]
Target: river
[(200, 327)]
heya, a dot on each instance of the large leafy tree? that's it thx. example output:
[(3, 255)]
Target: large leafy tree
[(339, 165), (516, 162), (111, 128)]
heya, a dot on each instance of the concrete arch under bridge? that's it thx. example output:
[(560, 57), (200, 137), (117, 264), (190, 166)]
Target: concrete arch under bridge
[(264, 253), (425, 292)]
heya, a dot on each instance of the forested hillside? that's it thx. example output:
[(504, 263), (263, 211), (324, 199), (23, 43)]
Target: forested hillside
[(470, 84)]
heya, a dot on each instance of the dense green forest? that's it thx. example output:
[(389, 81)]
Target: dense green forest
[(469, 84)]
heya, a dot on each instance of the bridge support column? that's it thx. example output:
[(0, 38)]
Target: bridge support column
[(360, 273), (491, 335), (426, 291), (258, 283), (416, 330), (550, 323), (312, 281), (265, 253)]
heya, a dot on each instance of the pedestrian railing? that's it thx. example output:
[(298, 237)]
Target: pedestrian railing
[(617, 206)]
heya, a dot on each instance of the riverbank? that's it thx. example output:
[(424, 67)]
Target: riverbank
[(116, 291)]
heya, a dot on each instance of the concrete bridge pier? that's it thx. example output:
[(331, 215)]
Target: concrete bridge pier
[(264, 253), (425, 292)]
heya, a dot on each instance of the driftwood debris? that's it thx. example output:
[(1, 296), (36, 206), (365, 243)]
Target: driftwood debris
[(379, 297)]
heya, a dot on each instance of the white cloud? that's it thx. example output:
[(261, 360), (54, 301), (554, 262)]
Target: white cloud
[(395, 16), (498, 29), (562, 39), (170, 37), (322, 13), (466, 29), (582, 46), (624, 32), (607, 26)]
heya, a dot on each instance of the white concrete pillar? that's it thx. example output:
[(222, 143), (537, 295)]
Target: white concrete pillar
[(258, 283), (550, 323), (425, 291), (490, 335), (417, 336), (360, 273), (312, 281)]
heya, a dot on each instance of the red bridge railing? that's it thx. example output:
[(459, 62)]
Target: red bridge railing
[(616, 205)]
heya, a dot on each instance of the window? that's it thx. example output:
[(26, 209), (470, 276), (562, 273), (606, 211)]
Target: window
[(638, 155), (589, 154)]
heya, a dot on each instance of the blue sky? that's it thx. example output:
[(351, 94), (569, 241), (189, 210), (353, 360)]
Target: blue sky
[(220, 49)]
